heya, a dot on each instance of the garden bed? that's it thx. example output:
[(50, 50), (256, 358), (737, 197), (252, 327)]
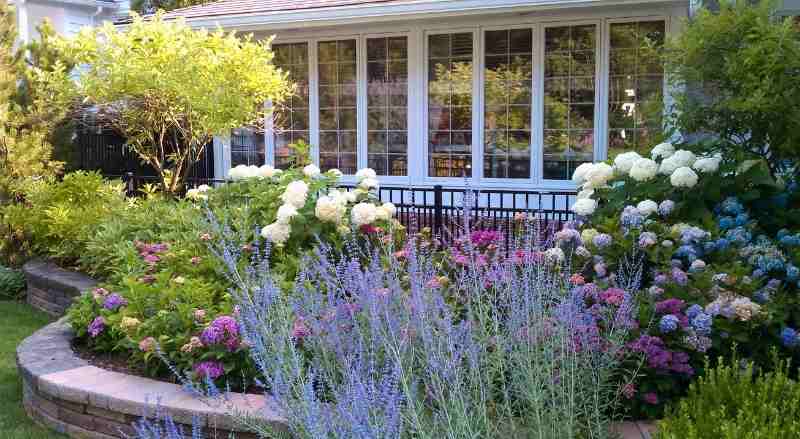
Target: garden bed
[(66, 393)]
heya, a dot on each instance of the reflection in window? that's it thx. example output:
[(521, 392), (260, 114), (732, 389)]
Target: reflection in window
[(291, 117), (450, 105), (636, 86), (337, 105), (247, 147), (387, 101), (569, 87), (507, 135)]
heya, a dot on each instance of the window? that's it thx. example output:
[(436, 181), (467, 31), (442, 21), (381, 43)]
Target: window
[(569, 96), (507, 96), (291, 123), (247, 147), (337, 105), (387, 103), (450, 67), (636, 86)]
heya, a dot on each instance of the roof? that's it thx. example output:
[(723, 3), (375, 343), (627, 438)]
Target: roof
[(275, 14), (239, 7)]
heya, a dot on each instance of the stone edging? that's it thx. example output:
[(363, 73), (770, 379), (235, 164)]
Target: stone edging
[(51, 288), (67, 394)]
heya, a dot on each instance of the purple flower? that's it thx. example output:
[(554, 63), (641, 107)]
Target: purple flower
[(679, 276), (300, 329), (668, 323), (114, 301), (651, 398), (670, 306), (482, 238), (209, 369), (222, 330), (97, 326), (602, 240)]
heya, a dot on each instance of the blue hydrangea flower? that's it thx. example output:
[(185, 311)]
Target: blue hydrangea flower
[(631, 217), (693, 311), (789, 338), (731, 206), (739, 235), (762, 296), (668, 323), (702, 323), (726, 222), (666, 207), (782, 233), (742, 219), (792, 273)]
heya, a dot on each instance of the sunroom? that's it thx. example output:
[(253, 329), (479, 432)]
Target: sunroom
[(496, 94)]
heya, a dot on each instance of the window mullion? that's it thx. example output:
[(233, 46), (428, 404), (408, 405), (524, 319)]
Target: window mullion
[(361, 98), (313, 100), (478, 60)]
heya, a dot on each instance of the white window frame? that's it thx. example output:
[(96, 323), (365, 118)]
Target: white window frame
[(417, 34)]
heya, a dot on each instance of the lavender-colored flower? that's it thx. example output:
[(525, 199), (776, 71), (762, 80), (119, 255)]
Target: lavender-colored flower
[(222, 330), (631, 217), (668, 323), (666, 207), (114, 301), (693, 311), (698, 343), (647, 239), (602, 240), (679, 276), (702, 323), (209, 370), (97, 326), (670, 306)]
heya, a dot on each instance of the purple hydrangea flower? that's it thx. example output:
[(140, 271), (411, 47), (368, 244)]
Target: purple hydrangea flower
[(482, 238), (223, 330), (209, 369), (702, 323), (693, 311), (602, 240), (789, 338), (97, 326), (114, 301), (679, 276), (670, 306)]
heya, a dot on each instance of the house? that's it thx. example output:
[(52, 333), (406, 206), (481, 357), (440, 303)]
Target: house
[(67, 16), (510, 94)]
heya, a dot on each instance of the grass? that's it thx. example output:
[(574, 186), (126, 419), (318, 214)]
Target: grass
[(17, 321)]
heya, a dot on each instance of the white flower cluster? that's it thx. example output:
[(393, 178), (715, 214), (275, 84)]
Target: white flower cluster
[(329, 208), (242, 172), (198, 193), (681, 166)]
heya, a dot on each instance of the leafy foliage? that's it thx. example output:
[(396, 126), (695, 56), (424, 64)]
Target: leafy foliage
[(168, 88), (732, 402), (12, 284), (740, 68)]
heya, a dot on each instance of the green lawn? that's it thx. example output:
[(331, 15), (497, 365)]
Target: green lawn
[(17, 321)]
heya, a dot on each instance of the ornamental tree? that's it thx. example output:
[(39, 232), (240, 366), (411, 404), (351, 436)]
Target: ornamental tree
[(167, 88)]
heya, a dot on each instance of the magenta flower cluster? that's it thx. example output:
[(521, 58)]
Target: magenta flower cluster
[(97, 326), (224, 330), (209, 369)]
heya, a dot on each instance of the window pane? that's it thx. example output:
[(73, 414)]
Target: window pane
[(450, 105), (337, 105), (569, 87), (387, 90), (636, 86), (507, 116), (247, 147), (291, 117)]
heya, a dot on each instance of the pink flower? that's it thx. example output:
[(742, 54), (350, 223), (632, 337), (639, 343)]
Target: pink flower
[(651, 398), (98, 293), (300, 330), (147, 345), (200, 314), (434, 283), (151, 259), (369, 229), (147, 279), (205, 237), (613, 296), (402, 254), (195, 260), (209, 369), (577, 279), (628, 390)]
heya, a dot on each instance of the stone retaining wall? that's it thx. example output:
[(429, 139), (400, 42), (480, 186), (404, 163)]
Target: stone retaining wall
[(66, 394), (51, 288)]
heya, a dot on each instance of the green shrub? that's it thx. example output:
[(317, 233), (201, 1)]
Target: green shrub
[(732, 402), (12, 284), (59, 218)]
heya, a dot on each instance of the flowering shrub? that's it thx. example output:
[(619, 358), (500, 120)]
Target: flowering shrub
[(715, 278), (169, 296)]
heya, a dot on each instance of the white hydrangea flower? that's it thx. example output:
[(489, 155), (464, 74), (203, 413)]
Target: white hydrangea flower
[(643, 169), (555, 255), (335, 173), (330, 209), (350, 196), (366, 173), (285, 213), (707, 165), (683, 177), (296, 194), (369, 184), (587, 235), (196, 194), (203, 188), (598, 175), (276, 233), (584, 206), (267, 171), (364, 213), (241, 172), (391, 208), (311, 171), (383, 214), (662, 151), (585, 193), (624, 162), (579, 176), (680, 159), (647, 207)]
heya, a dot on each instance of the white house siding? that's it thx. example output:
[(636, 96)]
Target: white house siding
[(417, 33)]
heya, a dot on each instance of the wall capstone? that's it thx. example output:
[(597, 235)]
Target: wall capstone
[(51, 288)]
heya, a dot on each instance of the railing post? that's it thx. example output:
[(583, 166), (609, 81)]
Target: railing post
[(437, 210), (130, 184)]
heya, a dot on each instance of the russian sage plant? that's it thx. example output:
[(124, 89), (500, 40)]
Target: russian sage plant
[(377, 343)]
